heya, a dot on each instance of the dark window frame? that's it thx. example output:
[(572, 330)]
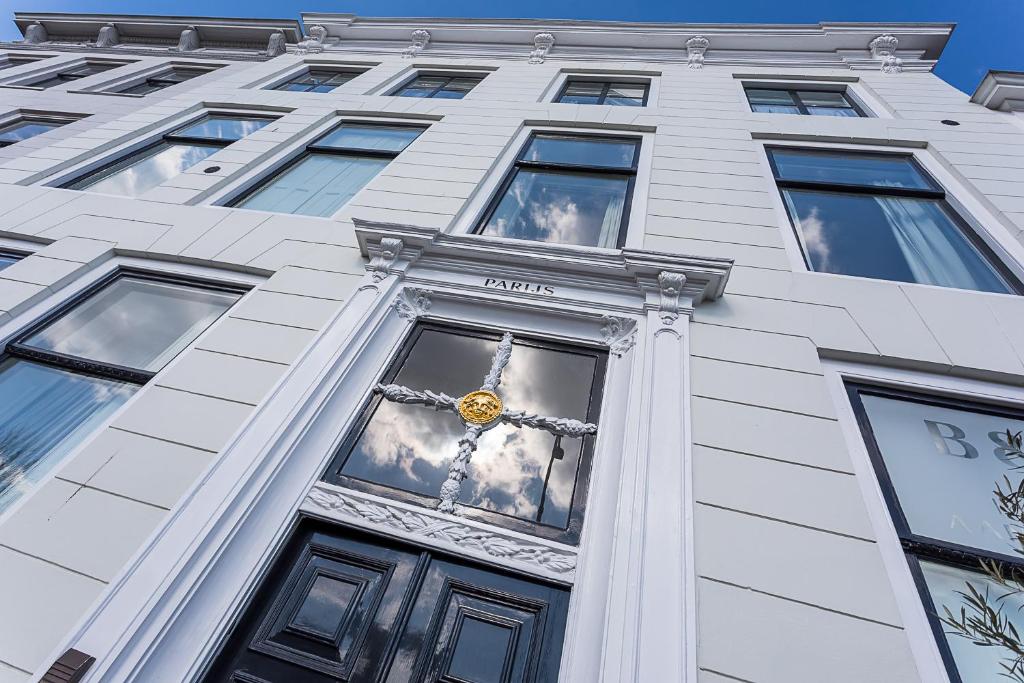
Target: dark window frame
[(162, 81), (915, 546), (607, 83), (798, 101), (578, 169), (313, 147), (70, 76), (15, 347), (307, 73), (170, 138), (571, 533), (937, 192), (59, 119), (448, 78)]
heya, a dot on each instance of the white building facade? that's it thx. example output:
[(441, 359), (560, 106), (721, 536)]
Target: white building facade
[(480, 350)]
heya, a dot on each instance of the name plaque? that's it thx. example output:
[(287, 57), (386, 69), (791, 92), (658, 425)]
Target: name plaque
[(518, 286)]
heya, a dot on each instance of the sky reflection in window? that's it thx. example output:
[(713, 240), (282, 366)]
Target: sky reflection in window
[(410, 447)]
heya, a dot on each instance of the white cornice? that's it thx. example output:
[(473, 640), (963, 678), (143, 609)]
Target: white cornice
[(627, 270), (141, 33), (1001, 90)]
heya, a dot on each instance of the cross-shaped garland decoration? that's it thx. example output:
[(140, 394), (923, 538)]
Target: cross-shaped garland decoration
[(481, 410)]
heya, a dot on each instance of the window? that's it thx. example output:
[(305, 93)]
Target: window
[(11, 61), (8, 259), (178, 151), (440, 87), (27, 127), (74, 74), (807, 102), (340, 605), (879, 215), (527, 475), (330, 170), (938, 461), (165, 79), (317, 80), (65, 375), (620, 94), (570, 189)]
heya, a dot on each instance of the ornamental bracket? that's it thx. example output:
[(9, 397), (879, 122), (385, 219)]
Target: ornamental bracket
[(420, 38), (542, 44), (695, 49), (883, 48)]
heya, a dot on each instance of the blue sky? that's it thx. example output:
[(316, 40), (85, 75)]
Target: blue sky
[(989, 33)]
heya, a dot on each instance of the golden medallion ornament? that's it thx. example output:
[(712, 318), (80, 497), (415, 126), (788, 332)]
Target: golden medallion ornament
[(480, 407)]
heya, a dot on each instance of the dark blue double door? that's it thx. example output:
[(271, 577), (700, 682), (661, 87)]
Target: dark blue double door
[(339, 605)]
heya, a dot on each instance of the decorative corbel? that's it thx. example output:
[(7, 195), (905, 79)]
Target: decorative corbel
[(386, 254), (108, 36), (35, 33), (189, 41), (412, 303), (883, 48), (420, 38), (671, 286), (695, 49), (542, 44), (314, 42), (618, 333), (277, 44)]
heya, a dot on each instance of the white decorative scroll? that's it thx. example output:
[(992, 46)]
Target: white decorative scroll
[(420, 38), (400, 394), (883, 48), (695, 49), (277, 44), (412, 303), (108, 36), (618, 333), (387, 253), (498, 363), (35, 33), (563, 426), (314, 42), (431, 528), (542, 44), (671, 285)]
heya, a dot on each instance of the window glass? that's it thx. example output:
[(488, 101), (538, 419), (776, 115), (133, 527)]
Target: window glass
[(442, 87), (162, 80), (567, 208), (410, 447), (7, 260), (134, 322), (767, 96), (945, 583), (849, 169), (833, 111), (146, 169), (581, 151), (44, 413), (317, 185), (224, 127), (625, 94), (822, 98), (392, 139), (318, 80), (23, 130), (582, 92), (906, 239), (944, 464)]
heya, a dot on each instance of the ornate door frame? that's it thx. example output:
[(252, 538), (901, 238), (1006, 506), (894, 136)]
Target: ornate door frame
[(173, 603)]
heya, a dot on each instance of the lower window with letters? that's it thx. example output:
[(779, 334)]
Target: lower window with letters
[(952, 474), (341, 605)]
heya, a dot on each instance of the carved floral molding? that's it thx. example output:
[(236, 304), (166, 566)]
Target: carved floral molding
[(333, 502)]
